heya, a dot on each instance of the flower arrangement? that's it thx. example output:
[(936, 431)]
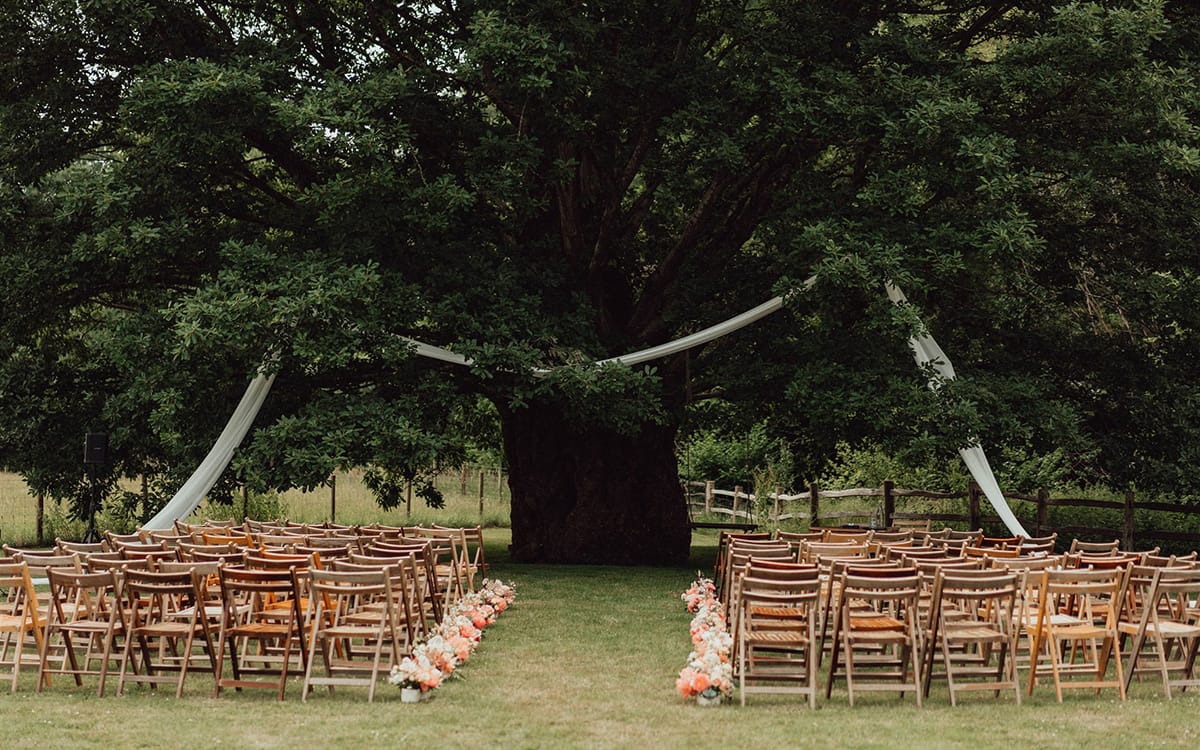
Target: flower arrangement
[(700, 592), (708, 673), (455, 638), (416, 671)]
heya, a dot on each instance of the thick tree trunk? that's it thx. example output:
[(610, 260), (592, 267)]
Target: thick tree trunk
[(593, 495)]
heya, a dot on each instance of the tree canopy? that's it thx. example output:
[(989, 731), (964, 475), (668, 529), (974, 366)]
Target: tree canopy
[(193, 191)]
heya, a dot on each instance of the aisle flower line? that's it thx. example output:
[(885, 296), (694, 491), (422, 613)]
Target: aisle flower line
[(708, 674), (455, 638)]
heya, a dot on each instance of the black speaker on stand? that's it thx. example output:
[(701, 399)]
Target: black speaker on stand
[(95, 455)]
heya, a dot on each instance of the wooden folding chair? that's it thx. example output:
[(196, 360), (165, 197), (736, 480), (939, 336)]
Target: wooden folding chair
[(20, 618), (166, 616), (248, 618), (1163, 617), (776, 630), (876, 632), (355, 614), (473, 548), (83, 607), (972, 622), (1078, 609)]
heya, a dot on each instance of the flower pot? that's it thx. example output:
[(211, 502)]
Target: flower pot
[(410, 695), (702, 700)]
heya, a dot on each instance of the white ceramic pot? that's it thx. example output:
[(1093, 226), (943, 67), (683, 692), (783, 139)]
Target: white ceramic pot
[(410, 695)]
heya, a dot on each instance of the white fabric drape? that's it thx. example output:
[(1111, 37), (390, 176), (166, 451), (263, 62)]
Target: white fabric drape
[(213, 465), (927, 352), (690, 341)]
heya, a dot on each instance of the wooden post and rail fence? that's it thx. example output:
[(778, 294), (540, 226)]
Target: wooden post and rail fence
[(740, 509)]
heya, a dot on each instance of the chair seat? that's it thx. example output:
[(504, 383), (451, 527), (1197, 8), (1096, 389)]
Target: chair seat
[(776, 612), (874, 623), (777, 636)]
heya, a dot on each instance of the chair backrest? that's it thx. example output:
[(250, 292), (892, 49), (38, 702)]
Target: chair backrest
[(901, 586), (1036, 548), (858, 536), (779, 586), (1083, 588), (1110, 548), (345, 586), (991, 552), (188, 549), (972, 537), (990, 593), (892, 537), (1001, 541), (65, 547), (811, 551), (78, 596), (118, 545), (163, 592), (239, 585), (950, 546), (226, 536), (1106, 562), (18, 599), (930, 568), (268, 560), (40, 564), (158, 555), (909, 555), (204, 568), (117, 540), (1025, 563), (1170, 561)]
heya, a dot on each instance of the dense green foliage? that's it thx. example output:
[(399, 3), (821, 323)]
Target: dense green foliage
[(191, 191)]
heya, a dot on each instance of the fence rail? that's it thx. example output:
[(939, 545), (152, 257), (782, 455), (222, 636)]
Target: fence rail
[(744, 509)]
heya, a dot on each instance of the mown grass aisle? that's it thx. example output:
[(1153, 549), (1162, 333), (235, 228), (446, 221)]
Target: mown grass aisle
[(586, 658)]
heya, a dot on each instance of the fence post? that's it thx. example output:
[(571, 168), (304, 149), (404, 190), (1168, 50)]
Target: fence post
[(1043, 511), (709, 486), (814, 504), (41, 517), (481, 490), (500, 483), (973, 507), (1127, 535), (333, 498), (889, 502), (408, 502), (737, 491), (778, 504), (463, 486)]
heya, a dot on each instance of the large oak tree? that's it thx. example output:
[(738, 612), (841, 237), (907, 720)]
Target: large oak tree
[(196, 190)]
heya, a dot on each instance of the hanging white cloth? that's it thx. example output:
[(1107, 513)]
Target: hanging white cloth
[(214, 464), (684, 343), (927, 352)]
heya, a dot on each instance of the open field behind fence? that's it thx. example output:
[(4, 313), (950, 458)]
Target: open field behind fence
[(349, 501)]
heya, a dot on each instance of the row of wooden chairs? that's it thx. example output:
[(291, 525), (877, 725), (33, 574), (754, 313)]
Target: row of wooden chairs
[(888, 636), (251, 628), (1029, 576), (143, 610)]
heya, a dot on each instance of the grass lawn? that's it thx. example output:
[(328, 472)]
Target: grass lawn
[(587, 657)]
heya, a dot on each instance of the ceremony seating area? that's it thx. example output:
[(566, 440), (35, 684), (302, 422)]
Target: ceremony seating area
[(247, 606), (901, 610)]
